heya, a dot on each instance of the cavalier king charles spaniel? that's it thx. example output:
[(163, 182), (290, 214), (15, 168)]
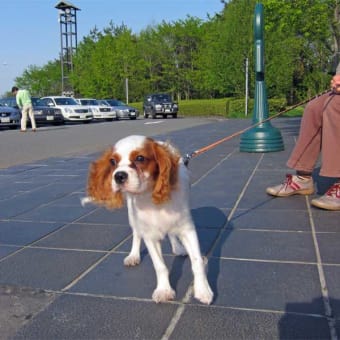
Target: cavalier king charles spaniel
[(152, 178)]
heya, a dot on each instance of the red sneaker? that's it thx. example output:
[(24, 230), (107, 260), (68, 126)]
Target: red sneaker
[(330, 200)]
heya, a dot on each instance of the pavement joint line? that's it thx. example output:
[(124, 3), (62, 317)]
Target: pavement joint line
[(264, 260), (96, 263), (322, 278), (180, 310), (31, 245), (213, 168), (181, 303)]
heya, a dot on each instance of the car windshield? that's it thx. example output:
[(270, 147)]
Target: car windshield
[(88, 102), (115, 102), (8, 102), (161, 97), (65, 101), (38, 101), (103, 102)]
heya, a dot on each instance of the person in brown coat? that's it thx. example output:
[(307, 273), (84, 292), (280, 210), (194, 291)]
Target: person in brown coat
[(319, 134)]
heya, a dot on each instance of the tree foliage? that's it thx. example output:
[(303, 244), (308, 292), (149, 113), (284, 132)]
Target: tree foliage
[(192, 58)]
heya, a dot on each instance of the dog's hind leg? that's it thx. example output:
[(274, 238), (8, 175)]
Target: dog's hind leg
[(163, 291), (134, 257), (176, 247)]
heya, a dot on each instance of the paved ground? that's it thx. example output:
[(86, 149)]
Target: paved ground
[(274, 263)]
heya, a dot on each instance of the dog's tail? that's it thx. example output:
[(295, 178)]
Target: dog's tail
[(85, 200)]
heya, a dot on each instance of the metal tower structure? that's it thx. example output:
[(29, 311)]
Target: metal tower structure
[(68, 40)]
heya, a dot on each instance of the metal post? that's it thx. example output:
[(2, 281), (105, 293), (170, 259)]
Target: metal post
[(264, 137), (246, 85)]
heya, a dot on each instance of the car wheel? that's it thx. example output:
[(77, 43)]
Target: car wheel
[(165, 116), (145, 114), (132, 118), (153, 115), (174, 115)]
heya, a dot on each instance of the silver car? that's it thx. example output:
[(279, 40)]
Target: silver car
[(99, 110), (123, 110)]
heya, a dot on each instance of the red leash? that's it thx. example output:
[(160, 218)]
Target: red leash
[(188, 157)]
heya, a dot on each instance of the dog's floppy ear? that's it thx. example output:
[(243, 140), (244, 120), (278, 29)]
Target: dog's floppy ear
[(99, 185), (167, 162)]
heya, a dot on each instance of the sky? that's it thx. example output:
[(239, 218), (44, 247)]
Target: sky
[(30, 32)]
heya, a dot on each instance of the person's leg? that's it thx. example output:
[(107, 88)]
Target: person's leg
[(330, 161), (308, 145), (31, 114), (305, 152), (23, 118)]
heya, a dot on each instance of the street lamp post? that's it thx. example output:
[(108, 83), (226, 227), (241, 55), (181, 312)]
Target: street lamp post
[(68, 40)]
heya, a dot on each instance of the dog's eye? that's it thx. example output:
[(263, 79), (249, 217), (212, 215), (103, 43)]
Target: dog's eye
[(113, 162), (140, 159)]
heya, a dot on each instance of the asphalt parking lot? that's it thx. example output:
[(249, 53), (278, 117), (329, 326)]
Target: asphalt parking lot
[(274, 263)]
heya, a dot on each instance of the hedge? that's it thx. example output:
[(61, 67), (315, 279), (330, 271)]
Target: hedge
[(225, 107)]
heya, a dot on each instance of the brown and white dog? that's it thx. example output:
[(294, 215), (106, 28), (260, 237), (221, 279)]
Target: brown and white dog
[(152, 178)]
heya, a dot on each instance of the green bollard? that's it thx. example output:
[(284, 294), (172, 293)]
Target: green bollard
[(263, 137)]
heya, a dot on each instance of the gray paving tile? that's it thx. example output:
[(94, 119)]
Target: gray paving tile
[(45, 269), (209, 217), (19, 204), (6, 250), (263, 285), (332, 274), (274, 219), (79, 317), (221, 323), (55, 213), (111, 277), (326, 220), (86, 236), (104, 216), (206, 238), (214, 195), (329, 245), (266, 245), (24, 233), (264, 201)]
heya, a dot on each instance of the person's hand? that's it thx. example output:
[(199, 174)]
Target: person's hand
[(335, 84)]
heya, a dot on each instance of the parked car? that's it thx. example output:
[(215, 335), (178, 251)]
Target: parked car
[(99, 110), (45, 114), (70, 109), (9, 116), (159, 104), (123, 110)]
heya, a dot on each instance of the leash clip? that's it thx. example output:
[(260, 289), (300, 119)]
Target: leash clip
[(187, 158)]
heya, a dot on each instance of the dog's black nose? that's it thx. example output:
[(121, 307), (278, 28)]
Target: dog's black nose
[(121, 177)]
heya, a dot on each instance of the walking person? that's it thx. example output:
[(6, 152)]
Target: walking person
[(23, 99), (319, 134)]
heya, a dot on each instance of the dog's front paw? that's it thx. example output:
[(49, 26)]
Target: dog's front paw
[(132, 260), (163, 295), (204, 294)]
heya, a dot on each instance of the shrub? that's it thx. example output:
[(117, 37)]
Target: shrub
[(226, 107)]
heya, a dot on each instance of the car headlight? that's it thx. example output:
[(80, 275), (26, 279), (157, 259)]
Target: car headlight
[(94, 109), (158, 106), (175, 106), (68, 110), (38, 112)]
